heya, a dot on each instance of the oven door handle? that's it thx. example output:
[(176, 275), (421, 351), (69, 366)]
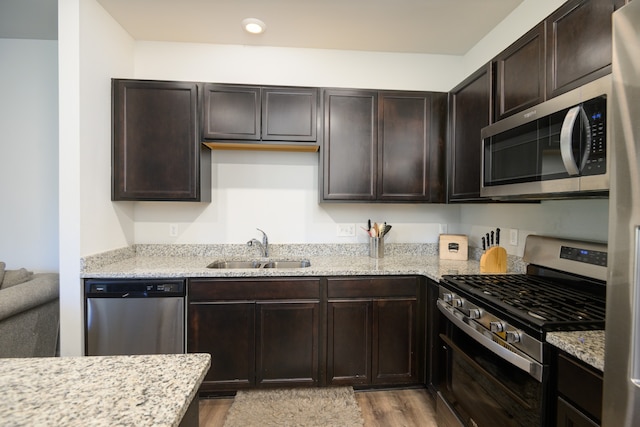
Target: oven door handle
[(530, 366)]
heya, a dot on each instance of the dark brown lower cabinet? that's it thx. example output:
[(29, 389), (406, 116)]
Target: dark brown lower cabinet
[(579, 393), (374, 333), (266, 332), (227, 332), (259, 332), (349, 343), (287, 343)]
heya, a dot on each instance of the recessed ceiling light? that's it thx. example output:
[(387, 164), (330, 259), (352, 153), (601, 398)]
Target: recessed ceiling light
[(253, 25)]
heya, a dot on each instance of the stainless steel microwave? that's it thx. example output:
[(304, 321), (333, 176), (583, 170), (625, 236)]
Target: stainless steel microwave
[(556, 149)]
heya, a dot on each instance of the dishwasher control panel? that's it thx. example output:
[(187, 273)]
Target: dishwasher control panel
[(134, 288)]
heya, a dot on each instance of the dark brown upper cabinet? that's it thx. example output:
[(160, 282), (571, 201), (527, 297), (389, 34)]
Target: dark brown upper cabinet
[(571, 47), (520, 74), (254, 113), (350, 151), (578, 44), (157, 153), (383, 146), (231, 112), (411, 141), (289, 114), (469, 112)]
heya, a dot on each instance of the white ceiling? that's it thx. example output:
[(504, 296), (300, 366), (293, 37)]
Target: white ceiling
[(411, 26)]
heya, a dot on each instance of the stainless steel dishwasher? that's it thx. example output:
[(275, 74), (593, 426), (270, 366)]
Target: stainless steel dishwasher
[(142, 316)]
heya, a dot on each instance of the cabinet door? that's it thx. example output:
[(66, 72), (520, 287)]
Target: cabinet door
[(231, 112), (578, 44), (404, 149), (394, 342), (520, 74), (349, 157), (289, 114), (349, 342), (227, 332), (287, 343), (156, 147), (470, 111)]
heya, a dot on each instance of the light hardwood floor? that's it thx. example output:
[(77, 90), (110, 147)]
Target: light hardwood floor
[(388, 408)]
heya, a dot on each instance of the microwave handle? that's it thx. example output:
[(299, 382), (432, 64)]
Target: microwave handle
[(566, 137)]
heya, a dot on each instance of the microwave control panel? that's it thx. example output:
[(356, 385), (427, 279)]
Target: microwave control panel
[(596, 112)]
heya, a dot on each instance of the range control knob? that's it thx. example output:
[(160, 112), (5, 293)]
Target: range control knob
[(456, 302), (496, 326), (471, 313), (513, 336), (447, 297), (474, 313)]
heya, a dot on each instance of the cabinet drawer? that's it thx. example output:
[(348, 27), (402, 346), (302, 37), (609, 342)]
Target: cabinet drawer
[(580, 385), (372, 287), (568, 416), (253, 289)]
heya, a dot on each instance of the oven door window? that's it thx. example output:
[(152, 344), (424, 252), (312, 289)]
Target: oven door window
[(484, 389)]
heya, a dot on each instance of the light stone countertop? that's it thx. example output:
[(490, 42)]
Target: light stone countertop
[(587, 346), (168, 267), (145, 390), (171, 261)]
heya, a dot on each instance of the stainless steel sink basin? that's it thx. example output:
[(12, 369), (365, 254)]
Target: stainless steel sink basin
[(235, 264), (225, 264), (288, 264)]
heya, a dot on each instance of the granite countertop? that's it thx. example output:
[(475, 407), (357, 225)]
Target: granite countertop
[(167, 267), (587, 346), (100, 390), (166, 261)]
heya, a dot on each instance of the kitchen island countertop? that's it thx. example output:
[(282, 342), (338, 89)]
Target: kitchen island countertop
[(139, 390)]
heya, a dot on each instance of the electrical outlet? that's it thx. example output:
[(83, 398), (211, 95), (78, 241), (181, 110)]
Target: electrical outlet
[(444, 228), (173, 230), (513, 237), (346, 230)]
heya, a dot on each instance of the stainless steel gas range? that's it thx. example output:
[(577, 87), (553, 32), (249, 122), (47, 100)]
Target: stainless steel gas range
[(494, 361)]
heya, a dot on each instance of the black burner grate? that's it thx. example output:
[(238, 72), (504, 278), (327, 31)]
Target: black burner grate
[(551, 305)]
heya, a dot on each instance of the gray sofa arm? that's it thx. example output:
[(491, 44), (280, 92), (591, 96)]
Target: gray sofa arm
[(42, 288)]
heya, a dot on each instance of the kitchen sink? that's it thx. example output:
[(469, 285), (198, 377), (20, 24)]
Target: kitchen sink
[(288, 264), (224, 264), (235, 264)]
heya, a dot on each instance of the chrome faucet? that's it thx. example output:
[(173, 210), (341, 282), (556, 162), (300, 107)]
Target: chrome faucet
[(264, 245)]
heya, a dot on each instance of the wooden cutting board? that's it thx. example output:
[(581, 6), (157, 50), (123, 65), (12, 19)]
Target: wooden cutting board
[(494, 260)]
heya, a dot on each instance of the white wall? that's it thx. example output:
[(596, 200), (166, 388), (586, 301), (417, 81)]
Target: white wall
[(29, 154), (577, 219), (92, 49), (278, 192)]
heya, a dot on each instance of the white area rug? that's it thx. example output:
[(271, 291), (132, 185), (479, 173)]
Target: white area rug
[(299, 407)]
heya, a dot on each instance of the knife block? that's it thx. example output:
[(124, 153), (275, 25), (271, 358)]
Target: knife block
[(494, 260)]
